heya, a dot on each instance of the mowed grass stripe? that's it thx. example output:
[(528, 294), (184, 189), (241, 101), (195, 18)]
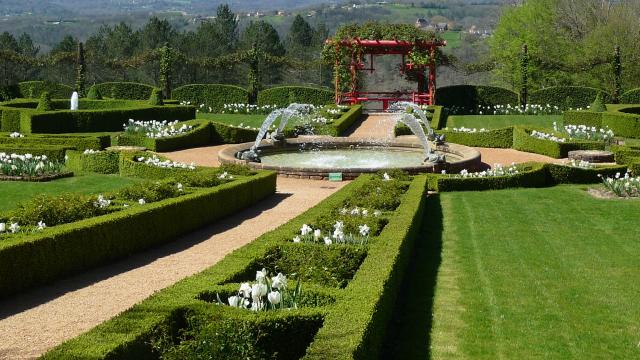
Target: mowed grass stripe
[(542, 273)]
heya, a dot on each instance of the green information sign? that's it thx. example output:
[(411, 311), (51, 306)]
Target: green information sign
[(335, 176)]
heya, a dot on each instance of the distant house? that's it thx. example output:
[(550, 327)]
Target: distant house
[(281, 13), (422, 23), (442, 26)]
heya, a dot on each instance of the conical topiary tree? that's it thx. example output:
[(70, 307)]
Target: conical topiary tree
[(94, 93), (597, 105), (45, 102), (156, 98)]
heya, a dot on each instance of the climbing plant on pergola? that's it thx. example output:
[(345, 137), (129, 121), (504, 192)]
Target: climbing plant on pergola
[(419, 50)]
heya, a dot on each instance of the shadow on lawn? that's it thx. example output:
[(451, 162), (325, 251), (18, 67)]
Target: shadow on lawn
[(41, 295), (410, 330)]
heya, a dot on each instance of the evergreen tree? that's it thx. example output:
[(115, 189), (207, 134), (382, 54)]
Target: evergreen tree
[(300, 34), (156, 33), (80, 71)]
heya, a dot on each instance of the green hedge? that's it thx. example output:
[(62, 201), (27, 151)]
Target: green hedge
[(524, 142), (493, 138), (561, 174), (30, 260), (199, 136), (631, 97), (53, 152), (436, 116), (130, 168), (9, 92), (283, 96), (468, 98), (83, 121), (33, 89), (567, 96), (77, 142), (350, 327), (211, 95), (626, 154), (588, 118), (625, 121), (104, 162), (339, 126), (226, 134), (125, 90)]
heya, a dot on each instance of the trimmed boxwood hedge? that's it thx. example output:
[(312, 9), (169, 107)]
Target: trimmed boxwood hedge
[(78, 142), (222, 133), (211, 95), (351, 326), (625, 121), (33, 89), (524, 142), (561, 174), (125, 90), (470, 97), (283, 96), (35, 259), (437, 119), (53, 152), (199, 136), (492, 138), (631, 97), (568, 96), (339, 126), (588, 118), (104, 162)]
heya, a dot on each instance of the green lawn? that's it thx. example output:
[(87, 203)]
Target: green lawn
[(501, 121), (14, 192), (528, 273), (235, 119)]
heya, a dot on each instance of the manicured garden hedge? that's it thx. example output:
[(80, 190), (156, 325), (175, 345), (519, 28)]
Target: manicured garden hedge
[(350, 329), (199, 136), (9, 92), (283, 96), (339, 126), (435, 114), (631, 97), (77, 142), (100, 116), (33, 89), (493, 138), (53, 152), (211, 95), (625, 121), (125, 90), (530, 175), (524, 142), (584, 117), (470, 97), (35, 259), (567, 96), (222, 133), (104, 162)]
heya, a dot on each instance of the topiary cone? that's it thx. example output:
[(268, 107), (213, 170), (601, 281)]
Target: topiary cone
[(45, 102), (156, 98), (597, 105), (94, 93)]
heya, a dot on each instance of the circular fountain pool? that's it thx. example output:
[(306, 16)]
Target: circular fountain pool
[(316, 158)]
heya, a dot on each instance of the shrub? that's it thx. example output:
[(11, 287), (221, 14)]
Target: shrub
[(588, 118), (565, 97), (34, 89), (625, 122), (77, 142), (523, 141), (45, 102), (53, 152), (9, 92), (339, 126), (55, 210), (150, 191), (529, 175), (227, 134), (103, 162), (211, 95), (469, 97), (493, 138), (631, 97), (283, 96), (562, 174), (94, 93), (156, 98), (597, 105), (124, 90), (199, 136)]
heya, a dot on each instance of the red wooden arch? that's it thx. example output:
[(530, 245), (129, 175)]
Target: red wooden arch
[(360, 47)]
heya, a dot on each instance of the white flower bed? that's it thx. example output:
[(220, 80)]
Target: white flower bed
[(167, 164), (467, 130), (308, 234), (27, 165), (156, 129), (265, 294), (497, 170), (508, 109), (580, 164), (544, 136), (584, 132), (245, 108), (622, 186), (15, 135), (91, 152)]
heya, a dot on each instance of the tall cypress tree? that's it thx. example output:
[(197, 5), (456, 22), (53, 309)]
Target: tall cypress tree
[(617, 74), (524, 76), (80, 70)]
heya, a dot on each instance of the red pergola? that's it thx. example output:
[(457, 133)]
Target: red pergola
[(360, 48)]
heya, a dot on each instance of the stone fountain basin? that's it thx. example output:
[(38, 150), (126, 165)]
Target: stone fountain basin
[(461, 157)]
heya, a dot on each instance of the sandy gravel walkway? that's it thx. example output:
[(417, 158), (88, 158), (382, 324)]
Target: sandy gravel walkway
[(375, 126), (507, 156), (35, 321)]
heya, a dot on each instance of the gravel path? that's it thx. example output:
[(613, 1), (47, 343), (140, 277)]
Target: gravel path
[(375, 126), (33, 322), (507, 156)]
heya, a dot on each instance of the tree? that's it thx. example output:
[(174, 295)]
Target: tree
[(261, 37), (300, 34), (226, 26), (156, 33), (68, 44), (80, 71)]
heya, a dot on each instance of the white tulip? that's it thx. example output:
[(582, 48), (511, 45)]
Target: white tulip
[(296, 239), (14, 228), (245, 290), (274, 297), (3, 227), (317, 233), (364, 230), (142, 202), (235, 301), (258, 290), (261, 275), (328, 241), (279, 281)]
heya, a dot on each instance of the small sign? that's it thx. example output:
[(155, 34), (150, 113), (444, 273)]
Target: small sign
[(335, 176)]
